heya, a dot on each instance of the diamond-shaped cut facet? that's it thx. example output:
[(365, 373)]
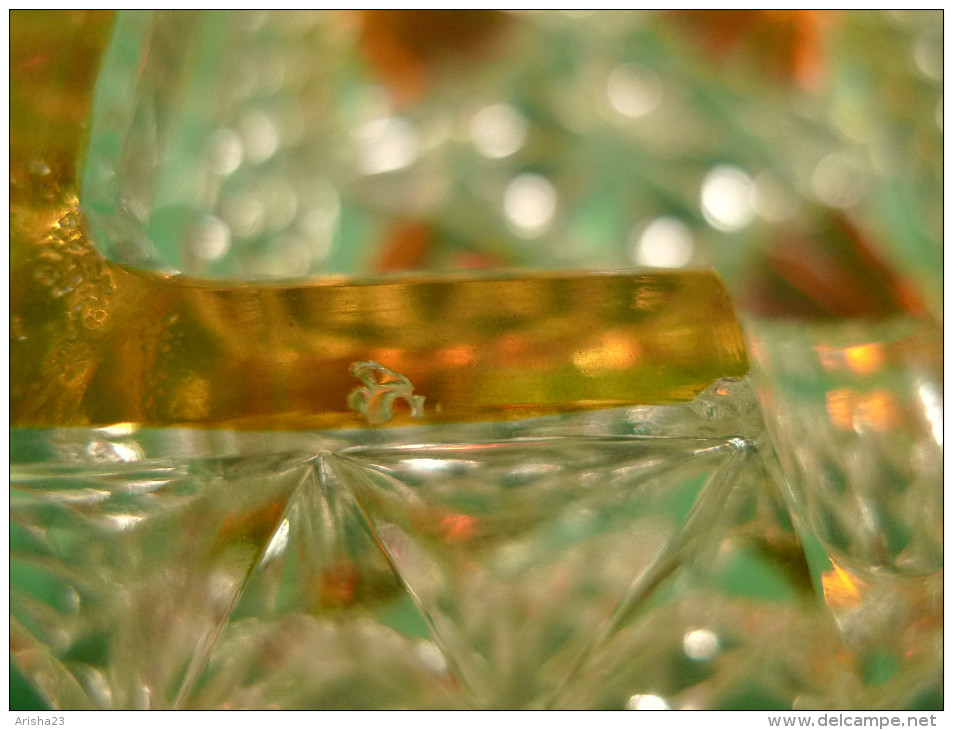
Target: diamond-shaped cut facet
[(520, 553), (585, 560), (127, 572)]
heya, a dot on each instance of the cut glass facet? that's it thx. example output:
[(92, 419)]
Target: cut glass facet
[(493, 565)]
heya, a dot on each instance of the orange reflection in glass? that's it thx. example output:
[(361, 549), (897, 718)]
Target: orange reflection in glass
[(841, 589), (840, 408), (614, 351), (878, 410), (853, 411), (393, 357), (860, 359), (458, 356), (255, 525), (339, 585), (457, 527), (864, 359)]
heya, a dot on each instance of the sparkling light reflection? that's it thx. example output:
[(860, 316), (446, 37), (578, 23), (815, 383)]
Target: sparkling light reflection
[(119, 429), (841, 589), (864, 359), (531, 471), (438, 465), (96, 684), (209, 239), (614, 351), (458, 527), (278, 543), (529, 204), (120, 523), (386, 145), (81, 496), (700, 644), (646, 702), (126, 452), (633, 92), (932, 400), (726, 198), (664, 243), (498, 131), (431, 657), (850, 410)]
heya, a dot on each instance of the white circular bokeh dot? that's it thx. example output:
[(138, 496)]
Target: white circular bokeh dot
[(700, 644), (224, 151), (664, 243), (244, 214), (209, 239), (726, 198), (385, 145), (838, 180), (498, 131), (633, 92), (259, 136), (529, 204)]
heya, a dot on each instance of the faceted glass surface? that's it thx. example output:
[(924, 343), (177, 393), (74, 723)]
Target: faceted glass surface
[(589, 560), (855, 410), (546, 490), (220, 498), (96, 343)]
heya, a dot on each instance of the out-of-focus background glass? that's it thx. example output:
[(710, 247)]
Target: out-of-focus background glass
[(789, 149)]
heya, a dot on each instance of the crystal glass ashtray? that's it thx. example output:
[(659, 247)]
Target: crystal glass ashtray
[(246, 473), (338, 495)]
